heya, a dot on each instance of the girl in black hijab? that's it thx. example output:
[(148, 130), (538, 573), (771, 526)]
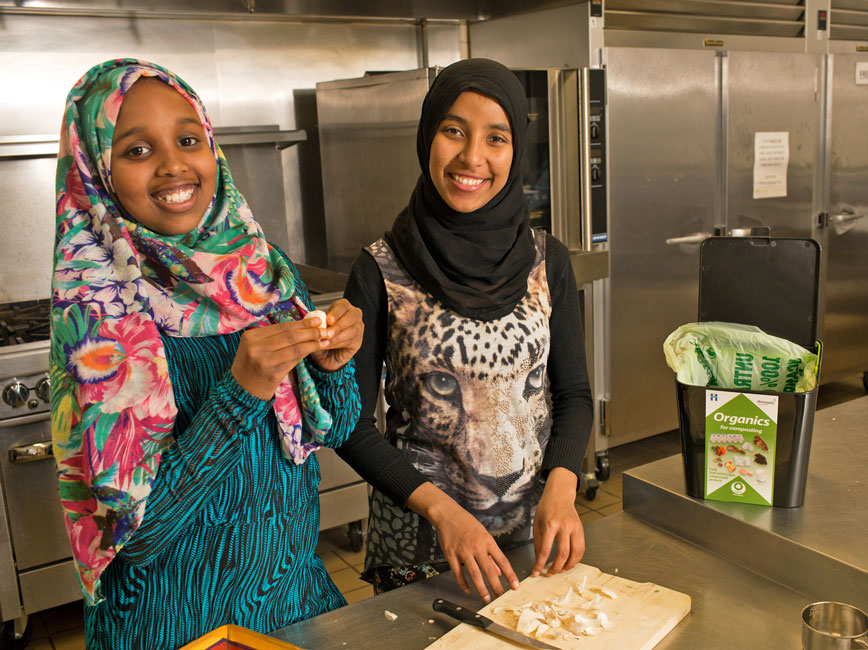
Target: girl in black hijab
[(476, 318), (476, 263)]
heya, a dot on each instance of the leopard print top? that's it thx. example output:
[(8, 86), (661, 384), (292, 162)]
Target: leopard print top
[(468, 406)]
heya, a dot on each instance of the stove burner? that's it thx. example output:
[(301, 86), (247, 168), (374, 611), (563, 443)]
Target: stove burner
[(24, 322)]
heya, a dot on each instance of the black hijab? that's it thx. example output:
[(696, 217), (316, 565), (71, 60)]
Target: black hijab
[(475, 263)]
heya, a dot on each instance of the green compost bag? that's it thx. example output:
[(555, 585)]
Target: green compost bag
[(730, 355)]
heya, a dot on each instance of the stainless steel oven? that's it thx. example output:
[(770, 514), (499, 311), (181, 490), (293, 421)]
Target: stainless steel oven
[(36, 568)]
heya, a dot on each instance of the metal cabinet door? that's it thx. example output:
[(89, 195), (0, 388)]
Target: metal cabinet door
[(33, 506), (771, 92), (845, 331), (662, 143)]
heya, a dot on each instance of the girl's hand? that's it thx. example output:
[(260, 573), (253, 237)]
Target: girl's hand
[(266, 354), (466, 544), (556, 519), (342, 338)]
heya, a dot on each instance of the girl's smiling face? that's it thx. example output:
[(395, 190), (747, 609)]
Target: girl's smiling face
[(163, 171), (471, 153)]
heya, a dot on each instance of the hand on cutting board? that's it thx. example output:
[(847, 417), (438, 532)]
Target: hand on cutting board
[(343, 333), (557, 520), (464, 541)]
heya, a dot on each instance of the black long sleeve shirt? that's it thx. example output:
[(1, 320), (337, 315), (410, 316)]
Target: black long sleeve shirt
[(384, 466)]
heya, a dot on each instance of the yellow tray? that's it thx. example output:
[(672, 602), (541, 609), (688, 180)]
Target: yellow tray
[(235, 637)]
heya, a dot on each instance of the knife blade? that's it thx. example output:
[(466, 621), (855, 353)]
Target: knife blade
[(469, 616)]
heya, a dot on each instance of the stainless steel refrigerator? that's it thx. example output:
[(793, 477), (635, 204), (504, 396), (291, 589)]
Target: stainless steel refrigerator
[(688, 98), (846, 210)]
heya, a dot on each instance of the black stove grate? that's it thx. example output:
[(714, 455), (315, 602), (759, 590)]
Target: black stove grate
[(24, 322)]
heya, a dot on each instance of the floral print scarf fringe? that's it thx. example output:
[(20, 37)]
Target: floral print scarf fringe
[(387, 578), (116, 287)]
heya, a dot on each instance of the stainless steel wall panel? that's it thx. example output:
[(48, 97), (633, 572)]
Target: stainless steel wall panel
[(368, 140), (846, 289), (261, 64), (258, 64), (26, 228), (552, 38), (444, 44), (773, 92), (257, 9), (662, 184), (42, 57)]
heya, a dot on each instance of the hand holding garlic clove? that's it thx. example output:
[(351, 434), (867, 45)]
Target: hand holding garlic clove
[(321, 315)]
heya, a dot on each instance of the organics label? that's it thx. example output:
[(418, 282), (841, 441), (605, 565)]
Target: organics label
[(740, 436)]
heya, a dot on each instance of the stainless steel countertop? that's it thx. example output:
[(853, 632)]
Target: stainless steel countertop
[(732, 606), (820, 548), (749, 569)]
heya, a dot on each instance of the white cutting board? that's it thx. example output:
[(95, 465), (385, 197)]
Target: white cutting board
[(642, 614)]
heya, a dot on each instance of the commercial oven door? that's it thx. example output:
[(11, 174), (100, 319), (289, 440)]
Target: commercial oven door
[(42, 574), (32, 501)]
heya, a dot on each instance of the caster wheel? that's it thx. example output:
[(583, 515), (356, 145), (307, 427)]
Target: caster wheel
[(603, 469), (8, 639), (591, 492), (354, 535)]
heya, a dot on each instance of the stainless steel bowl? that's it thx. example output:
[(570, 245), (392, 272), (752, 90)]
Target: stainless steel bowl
[(833, 626)]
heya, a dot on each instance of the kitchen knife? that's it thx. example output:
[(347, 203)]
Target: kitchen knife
[(472, 618)]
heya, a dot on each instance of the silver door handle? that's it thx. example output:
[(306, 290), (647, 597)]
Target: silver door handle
[(846, 217), (31, 453), (585, 158), (695, 238)]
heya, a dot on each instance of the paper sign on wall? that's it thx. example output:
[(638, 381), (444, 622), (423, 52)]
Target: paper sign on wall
[(770, 161), (861, 73), (740, 441)]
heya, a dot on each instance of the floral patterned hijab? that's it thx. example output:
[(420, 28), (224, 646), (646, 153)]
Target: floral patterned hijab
[(117, 287)]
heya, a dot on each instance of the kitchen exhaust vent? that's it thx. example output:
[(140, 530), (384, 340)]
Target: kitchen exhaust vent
[(848, 20), (784, 18)]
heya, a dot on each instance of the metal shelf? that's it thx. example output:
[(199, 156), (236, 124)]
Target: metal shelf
[(232, 135), (28, 146), (45, 146)]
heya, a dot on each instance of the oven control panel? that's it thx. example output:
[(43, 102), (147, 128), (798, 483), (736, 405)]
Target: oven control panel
[(24, 395)]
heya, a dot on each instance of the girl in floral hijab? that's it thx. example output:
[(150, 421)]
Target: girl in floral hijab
[(187, 391)]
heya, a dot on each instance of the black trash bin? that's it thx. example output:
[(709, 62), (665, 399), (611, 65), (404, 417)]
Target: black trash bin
[(772, 283)]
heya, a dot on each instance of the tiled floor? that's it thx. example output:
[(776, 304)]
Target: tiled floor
[(61, 628)]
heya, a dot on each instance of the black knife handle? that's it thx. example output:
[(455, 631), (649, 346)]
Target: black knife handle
[(461, 613)]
